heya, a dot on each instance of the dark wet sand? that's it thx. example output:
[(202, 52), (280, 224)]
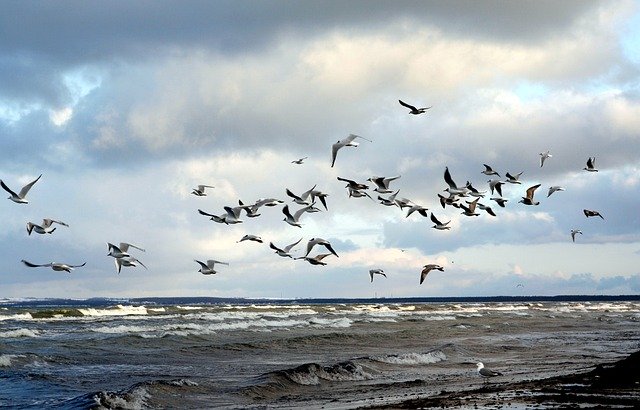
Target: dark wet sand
[(609, 385)]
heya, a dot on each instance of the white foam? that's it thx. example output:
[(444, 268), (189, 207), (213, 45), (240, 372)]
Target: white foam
[(120, 310), (340, 322), (5, 359), (18, 316), (20, 333), (412, 358)]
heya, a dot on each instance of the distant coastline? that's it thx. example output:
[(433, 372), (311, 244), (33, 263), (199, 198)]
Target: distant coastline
[(195, 300)]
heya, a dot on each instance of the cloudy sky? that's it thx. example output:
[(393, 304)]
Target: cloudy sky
[(125, 106)]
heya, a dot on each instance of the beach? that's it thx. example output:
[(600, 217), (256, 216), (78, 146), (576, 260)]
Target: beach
[(181, 353)]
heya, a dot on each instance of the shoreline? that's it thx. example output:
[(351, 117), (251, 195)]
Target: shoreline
[(607, 385)]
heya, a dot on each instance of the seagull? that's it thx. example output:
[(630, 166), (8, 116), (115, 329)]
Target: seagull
[(574, 232), (199, 191), (589, 213), (417, 208), (250, 238), (376, 272), (451, 200), (591, 165), (471, 209), (353, 184), (268, 202), (543, 157), (553, 189), (208, 268), (284, 252), (321, 196), (382, 183), (302, 199), (233, 214), (316, 260), (489, 171), (428, 268), (528, 200), (439, 225), (474, 192), (453, 188), (127, 261), (55, 266), (293, 219), (413, 110), (19, 197), (216, 218), (319, 241), (486, 373), (299, 161), (347, 142), (356, 193), (495, 184), (500, 201), (390, 200), (251, 210), (486, 208), (116, 251), (513, 179), (44, 227)]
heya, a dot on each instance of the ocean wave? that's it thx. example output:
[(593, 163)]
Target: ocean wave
[(22, 332), (17, 316), (412, 358), (6, 359), (119, 310)]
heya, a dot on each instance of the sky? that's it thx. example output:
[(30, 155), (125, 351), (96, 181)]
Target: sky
[(124, 107)]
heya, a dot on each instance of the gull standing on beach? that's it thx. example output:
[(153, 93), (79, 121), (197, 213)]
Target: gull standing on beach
[(486, 373), (19, 198)]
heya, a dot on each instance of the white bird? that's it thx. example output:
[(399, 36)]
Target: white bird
[(513, 179), (59, 267), (413, 110), (439, 225), (44, 227), (319, 241), (128, 261), (544, 156), (474, 192), (486, 373), (284, 252), (19, 198), (390, 200), (495, 184), (591, 165), (299, 161), (416, 208), (553, 189), (268, 202), (346, 142), (489, 171), (428, 268), (116, 251), (377, 271), (294, 220), (500, 201), (216, 218), (316, 260), (382, 183), (357, 193), (574, 232), (199, 191), (249, 237), (302, 199), (208, 268), (486, 208), (528, 199), (353, 184), (453, 188)]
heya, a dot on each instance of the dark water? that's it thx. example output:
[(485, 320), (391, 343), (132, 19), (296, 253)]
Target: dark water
[(206, 353)]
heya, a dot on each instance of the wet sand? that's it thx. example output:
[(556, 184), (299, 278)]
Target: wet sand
[(607, 385)]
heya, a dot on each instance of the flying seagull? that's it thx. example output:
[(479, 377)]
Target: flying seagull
[(319, 241), (471, 209), (208, 268), (428, 268), (495, 184), (216, 218), (316, 260), (500, 201), (199, 191), (574, 232), (299, 161), (346, 142), (589, 213), (44, 227), (591, 165), (284, 252), (453, 188), (439, 225), (127, 261), (528, 199), (413, 110), (116, 251), (353, 184), (382, 183), (376, 272), (489, 171), (486, 373), (553, 189), (19, 198), (59, 267), (513, 179), (543, 156), (294, 219), (251, 238)]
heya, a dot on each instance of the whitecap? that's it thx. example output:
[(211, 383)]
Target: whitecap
[(119, 310), (20, 333), (412, 358)]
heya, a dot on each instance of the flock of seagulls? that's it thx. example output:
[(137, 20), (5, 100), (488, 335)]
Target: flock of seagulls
[(464, 197)]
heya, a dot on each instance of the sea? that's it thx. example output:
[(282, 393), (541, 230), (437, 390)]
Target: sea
[(201, 353)]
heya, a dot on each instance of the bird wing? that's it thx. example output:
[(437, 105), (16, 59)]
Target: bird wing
[(201, 212), (448, 179), (275, 248), (404, 104), (33, 265), (77, 266), (334, 151), (6, 188), (202, 264), (532, 190), (26, 188), (290, 246), (292, 195)]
